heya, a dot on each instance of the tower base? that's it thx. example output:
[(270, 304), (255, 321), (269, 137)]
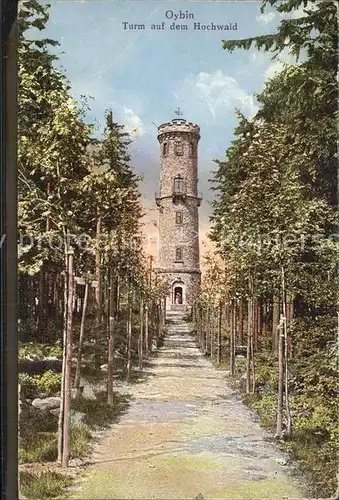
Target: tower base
[(183, 288)]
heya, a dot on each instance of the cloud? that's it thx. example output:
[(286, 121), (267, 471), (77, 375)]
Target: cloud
[(217, 91), (132, 123), (278, 65), (266, 17)]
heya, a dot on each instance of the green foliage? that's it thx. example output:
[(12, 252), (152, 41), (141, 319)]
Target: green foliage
[(266, 372), (47, 484), (314, 32), (28, 385), (48, 383), (39, 351), (264, 405)]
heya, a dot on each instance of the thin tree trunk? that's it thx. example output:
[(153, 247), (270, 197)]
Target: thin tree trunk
[(111, 327), (41, 307), (219, 332), (68, 368), (287, 402), (280, 394), (253, 328), (291, 316), (207, 330), (264, 319), (62, 389), (232, 338), (141, 334), (129, 332), (248, 348), (98, 292), (81, 340), (255, 323), (212, 334), (275, 323), (146, 330), (259, 322), (241, 322)]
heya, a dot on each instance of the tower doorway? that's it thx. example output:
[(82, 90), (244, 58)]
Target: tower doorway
[(177, 294)]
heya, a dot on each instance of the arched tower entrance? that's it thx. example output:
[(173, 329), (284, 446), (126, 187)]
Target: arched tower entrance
[(178, 201), (177, 295)]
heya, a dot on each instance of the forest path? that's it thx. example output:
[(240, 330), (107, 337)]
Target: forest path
[(185, 435)]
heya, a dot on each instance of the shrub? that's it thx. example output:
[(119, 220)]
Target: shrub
[(48, 383), (28, 385), (40, 351)]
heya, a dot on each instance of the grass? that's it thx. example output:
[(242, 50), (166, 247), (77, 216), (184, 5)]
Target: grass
[(43, 446), (43, 485), (80, 441), (98, 413)]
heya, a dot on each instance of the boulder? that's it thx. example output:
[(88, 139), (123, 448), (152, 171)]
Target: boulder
[(47, 403), (77, 417), (86, 390), (88, 393), (55, 411), (104, 368)]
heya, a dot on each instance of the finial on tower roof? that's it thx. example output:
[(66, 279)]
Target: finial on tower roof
[(178, 112)]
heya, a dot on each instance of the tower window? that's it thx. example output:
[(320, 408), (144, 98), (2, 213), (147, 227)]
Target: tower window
[(178, 218), (165, 149), (178, 185), (191, 149), (178, 254), (178, 148)]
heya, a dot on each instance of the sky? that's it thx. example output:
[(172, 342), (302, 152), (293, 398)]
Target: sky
[(144, 75)]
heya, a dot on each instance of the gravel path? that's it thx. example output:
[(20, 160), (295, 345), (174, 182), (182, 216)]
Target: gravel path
[(186, 435)]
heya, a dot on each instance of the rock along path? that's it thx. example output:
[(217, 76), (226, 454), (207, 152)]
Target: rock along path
[(186, 435)]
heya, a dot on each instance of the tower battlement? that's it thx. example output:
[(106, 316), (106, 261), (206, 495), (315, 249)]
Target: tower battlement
[(178, 125)]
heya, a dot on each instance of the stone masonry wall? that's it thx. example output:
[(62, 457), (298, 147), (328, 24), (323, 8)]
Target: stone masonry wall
[(171, 234)]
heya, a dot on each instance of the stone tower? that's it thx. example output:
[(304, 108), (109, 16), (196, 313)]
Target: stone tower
[(178, 203)]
